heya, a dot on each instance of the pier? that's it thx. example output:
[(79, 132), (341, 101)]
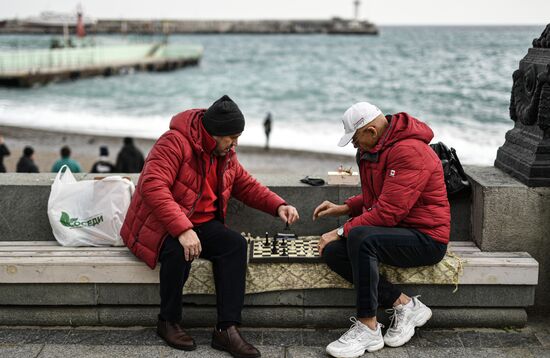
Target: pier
[(333, 26), (28, 68)]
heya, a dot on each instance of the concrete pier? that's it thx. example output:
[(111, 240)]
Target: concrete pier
[(159, 26), (29, 68)]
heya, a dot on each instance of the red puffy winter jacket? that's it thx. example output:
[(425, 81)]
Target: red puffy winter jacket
[(402, 182), (171, 183)]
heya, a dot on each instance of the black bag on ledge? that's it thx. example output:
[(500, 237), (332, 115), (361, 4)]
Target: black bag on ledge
[(455, 177)]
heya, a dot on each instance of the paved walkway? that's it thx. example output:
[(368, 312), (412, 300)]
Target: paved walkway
[(532, 341)]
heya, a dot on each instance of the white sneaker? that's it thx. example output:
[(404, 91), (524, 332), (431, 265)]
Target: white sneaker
[(358, 339), (404, 320)]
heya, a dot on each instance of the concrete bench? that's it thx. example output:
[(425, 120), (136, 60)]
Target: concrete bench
[(48, 262), (109, 286)]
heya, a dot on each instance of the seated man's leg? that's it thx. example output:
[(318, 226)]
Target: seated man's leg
[(369, 246), (360, 337), (227, 251), (336, 257), (174, 271)]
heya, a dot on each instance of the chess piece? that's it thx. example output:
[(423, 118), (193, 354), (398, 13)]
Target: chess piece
[(266, 242), (274, 246)]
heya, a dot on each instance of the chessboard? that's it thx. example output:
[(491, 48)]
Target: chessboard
[(270, 250)]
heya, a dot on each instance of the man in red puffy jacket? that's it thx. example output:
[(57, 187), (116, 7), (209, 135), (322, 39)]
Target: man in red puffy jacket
[(177, 214), (401, 218)]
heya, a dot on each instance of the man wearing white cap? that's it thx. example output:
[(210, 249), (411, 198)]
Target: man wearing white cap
[(401, 218)]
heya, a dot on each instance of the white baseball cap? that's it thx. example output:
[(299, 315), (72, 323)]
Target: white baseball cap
[(357, 116)]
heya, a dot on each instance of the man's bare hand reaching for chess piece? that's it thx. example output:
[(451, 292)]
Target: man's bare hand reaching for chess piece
[(328, 208)]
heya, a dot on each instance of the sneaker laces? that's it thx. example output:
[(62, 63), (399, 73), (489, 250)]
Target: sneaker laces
[(354, 331), (396, 317)]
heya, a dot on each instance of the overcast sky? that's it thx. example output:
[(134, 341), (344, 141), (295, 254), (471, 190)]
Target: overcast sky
[(385, 12)]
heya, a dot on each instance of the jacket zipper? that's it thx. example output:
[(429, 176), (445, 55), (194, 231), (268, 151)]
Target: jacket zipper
[(220, 189), (200, 190)]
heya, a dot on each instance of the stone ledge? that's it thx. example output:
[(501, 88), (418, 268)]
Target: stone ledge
[(281, 317), (148, 294)]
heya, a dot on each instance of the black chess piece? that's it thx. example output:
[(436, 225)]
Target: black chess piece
[(284, 253), (274, 246), (266, 242)]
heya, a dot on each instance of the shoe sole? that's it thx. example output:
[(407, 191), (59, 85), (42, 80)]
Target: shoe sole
[(219, 347), (408, 337), (359, 353), (181, 348)]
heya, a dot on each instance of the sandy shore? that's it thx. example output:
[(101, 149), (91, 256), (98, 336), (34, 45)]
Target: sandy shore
[(85, 149)]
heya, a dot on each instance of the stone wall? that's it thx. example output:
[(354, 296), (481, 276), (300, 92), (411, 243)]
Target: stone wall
[(24, 199), (510, 216)]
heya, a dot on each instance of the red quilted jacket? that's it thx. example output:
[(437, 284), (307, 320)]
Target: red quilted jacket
[(171, 182), (402, 182)]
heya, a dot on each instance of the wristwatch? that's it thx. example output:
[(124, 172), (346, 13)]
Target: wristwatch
[(340, 232)]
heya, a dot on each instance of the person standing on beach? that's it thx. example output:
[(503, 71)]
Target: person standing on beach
[(73, 165), (401, 218), (103, 165), (177, 214), (130, 158), (26, 162), (267, 129), (4, 152)]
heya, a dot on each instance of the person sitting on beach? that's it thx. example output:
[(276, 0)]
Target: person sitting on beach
[(177, 214), (26, 162), (4, 152), (401, 218), (103, 165), (73, 165), (129, 159)]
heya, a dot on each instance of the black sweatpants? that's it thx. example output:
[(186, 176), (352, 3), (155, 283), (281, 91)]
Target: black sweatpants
[(227, 251), (356, 259)]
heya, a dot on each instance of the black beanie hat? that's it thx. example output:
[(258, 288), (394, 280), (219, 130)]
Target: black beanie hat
[(223, 118)]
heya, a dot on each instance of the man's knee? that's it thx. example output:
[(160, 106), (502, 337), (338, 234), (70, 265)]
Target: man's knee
[(362, 236), (237, 242), (332, 253), (171, 250)]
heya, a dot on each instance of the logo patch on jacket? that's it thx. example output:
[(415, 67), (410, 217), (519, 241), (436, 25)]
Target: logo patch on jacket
[(392, 173)]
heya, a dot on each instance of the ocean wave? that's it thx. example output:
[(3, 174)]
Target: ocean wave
[(476, 143)]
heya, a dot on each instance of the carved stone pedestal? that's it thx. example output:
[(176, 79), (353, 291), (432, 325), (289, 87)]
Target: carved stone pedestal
[(526, 153)]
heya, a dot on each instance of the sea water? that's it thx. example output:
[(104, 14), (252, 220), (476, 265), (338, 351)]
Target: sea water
[(456, 79)]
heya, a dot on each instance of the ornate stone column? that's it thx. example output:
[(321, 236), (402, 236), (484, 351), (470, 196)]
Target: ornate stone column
[(526, 153)]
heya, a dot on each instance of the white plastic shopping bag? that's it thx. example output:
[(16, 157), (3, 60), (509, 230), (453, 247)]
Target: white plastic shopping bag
[(88, 212)]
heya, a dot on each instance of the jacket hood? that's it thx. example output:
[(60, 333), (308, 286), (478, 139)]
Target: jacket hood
[(189, 124), (403, 126)]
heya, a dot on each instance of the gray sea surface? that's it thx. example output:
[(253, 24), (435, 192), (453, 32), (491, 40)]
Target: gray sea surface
[(457, 79)]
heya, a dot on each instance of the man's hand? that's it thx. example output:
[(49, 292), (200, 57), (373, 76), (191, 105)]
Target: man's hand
[(328, 208), (326, 239), (288, 213), (191, 244)]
